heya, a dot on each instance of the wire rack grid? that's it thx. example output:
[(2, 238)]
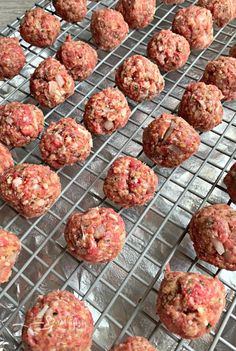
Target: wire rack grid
[(121, 294)]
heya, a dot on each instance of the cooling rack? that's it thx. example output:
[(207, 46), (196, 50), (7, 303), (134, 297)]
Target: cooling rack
[(121, 294)]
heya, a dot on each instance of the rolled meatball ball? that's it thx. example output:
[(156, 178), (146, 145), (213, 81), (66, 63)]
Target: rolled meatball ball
[(51, 84), (134, 343), (71, 10), (173, 2), (169, 140), (30, 189), (12, 58), (222, 73), (6, 160), (129, 182), (139, 78), (20, 123), (190, 304), (78, 57), (232, 51), (58, 321), (230, 182), (222, 10), (106, 112), (10, 248), (39, 28), (168, 50), (213, 232), (201, 106), (108, 28), (195, 24), (65, 143), (96, 236), (137, 13)]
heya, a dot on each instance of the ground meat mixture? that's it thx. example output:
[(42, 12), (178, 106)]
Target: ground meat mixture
[(106, 111), (65, 143), (213, 232), (168, 50), (173, 2), (195, 24), (71, 10), (108, 28), (129, 182), (96, 236), (139, 78), (232, 51), (10, 248), (58, 321), (137, 13), (20, 123), (39, 28), (30, 189), (201, 106), (222, 10), (12, 57), (230, 182), (6, 160), (134, 343), (169, 140), (190, 304), (51, 84), (222, 73), (78, 57)]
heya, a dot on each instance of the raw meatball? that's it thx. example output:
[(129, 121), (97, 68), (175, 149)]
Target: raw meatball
[(190, 304), (173, 2), (108, 28), (106, 111), (96, 236), (168, 50), (10, 248), (137, 13), (222, 73), (20, 123), (135, 343), (230, 182), (12, 57), (78, 57), (30, 189), (169, 140), (195, 24), (6, 160), (139, 78), (65, 143), (50, 83), (222, 10), (129, 182), (232, 51), (201, 106), (58, 321), (213, 232), (39, 28), (71, 10)]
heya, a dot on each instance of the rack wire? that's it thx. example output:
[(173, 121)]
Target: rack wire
[(121, 294)]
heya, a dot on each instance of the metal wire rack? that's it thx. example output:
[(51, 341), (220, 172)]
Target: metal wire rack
[(121, 294)]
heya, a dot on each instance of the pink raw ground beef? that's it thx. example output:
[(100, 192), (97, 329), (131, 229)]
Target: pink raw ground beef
[(213, 232), (169, 140), (97, 235), (139, 78), (232, 51), (201, 106), (168, 50), (190, 304), (230, 182), (30, 189), (39, 28), (195, 24), (223, 11), (65, 143), (51, 84), (106, 111), (58, 321), (6, 160), (10, 248), (173, 2), (71, 10), (129, 182), (78, 57), (12, 57), (108, 28), (134, 343)]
